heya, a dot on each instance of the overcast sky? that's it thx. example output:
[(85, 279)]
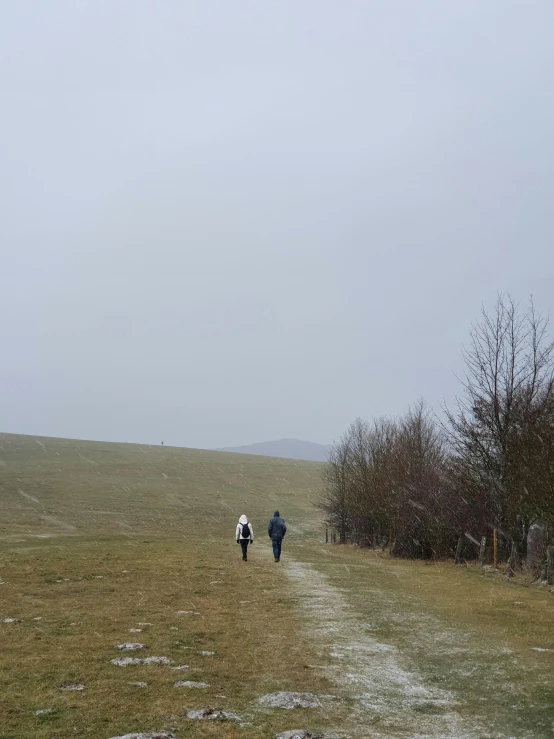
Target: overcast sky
[(226, 222)]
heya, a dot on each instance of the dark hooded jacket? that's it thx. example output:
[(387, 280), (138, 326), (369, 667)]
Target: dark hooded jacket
[(277, 528)]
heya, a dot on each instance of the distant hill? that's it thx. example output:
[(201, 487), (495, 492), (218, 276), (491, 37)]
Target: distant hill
[(287, 448)]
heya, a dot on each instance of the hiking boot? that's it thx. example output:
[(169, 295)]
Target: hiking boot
[(245, 559)]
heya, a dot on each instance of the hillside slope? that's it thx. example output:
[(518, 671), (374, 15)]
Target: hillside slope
[(54, 486)]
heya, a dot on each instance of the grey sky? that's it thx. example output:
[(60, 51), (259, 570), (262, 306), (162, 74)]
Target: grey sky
[(224, 222)]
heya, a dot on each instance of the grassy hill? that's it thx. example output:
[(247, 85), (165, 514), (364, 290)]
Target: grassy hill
[(62, 486), (104, 544)]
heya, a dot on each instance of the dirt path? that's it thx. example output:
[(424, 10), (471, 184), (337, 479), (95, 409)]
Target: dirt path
[(390, 696)]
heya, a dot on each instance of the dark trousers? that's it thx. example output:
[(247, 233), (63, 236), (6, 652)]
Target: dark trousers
[(244, 546), (277, 547)]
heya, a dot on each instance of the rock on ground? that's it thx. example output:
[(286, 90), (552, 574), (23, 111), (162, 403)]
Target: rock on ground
[(72, 686), (146, 735), (130, 646), (209, 714), (156, 661), (44, 711), (181, 668), (286, 700), (189, 684), (127, 661), (297, 734)]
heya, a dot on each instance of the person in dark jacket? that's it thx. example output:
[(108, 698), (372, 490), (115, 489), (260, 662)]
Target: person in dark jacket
[(277, 528)]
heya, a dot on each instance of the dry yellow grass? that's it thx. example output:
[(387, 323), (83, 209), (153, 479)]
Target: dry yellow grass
[(77, 515)]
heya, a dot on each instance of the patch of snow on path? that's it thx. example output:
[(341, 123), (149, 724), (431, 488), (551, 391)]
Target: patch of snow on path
[(371, 671)]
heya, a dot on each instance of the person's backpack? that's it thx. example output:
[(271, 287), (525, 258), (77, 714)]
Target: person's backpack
[(245, 531)]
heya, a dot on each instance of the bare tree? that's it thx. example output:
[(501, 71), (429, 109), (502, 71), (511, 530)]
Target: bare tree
[(503, 413), (336, 498)]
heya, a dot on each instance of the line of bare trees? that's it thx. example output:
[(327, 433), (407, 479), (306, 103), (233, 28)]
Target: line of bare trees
[(420, 484)]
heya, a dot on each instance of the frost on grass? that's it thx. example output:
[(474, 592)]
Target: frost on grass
[(286, 700), (130, 646), (374, 673), (189, 684), (71, 686), (209, 714)]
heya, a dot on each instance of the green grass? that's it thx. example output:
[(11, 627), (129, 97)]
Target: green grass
[(75, 515)]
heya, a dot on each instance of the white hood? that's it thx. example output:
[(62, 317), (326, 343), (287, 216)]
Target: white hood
[(243, 520)]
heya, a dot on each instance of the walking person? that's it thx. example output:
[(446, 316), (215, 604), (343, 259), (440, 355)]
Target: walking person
[(244, 536), (277, 528)]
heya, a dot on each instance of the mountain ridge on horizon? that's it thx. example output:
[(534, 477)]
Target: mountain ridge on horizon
[(286, 448)]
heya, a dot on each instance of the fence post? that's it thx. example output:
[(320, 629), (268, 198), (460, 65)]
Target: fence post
[(512, 561), (481, 560), (550, 564), (458, 557), (494, 548), (326, 535)]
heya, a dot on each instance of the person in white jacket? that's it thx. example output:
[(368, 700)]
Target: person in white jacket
[(244, 536)]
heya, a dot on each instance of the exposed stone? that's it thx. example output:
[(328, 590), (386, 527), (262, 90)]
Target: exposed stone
[(127, 661), (44, 711), (156, 661), (286, 700), (12, 620), (146, 735), (71, 686), (207, 654), (130, 646), (297, 734), (189, 684), (181, 668), (209, 714)]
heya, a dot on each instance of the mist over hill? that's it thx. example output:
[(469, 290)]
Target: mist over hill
[(288, 448)]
